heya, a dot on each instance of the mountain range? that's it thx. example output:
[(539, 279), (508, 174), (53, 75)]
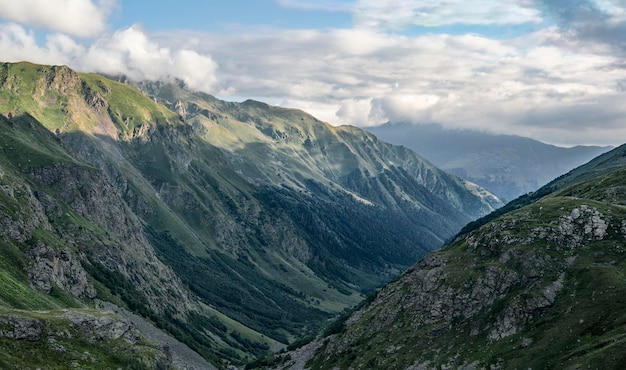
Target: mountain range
[(507, 165), (538, 284), (139, 226)]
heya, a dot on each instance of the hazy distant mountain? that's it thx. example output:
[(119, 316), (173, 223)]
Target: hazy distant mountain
[(235, 227), (507, 165)]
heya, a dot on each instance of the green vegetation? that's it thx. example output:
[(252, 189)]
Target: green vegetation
[(128, 108), (539, 286), (59, 344), (267, 223)]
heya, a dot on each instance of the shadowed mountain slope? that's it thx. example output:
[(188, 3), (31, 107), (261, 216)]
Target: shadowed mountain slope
[(539, 286), (235, 227)]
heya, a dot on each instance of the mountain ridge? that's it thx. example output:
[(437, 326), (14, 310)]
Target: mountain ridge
[(507, 165), (237, 230), (538, 285)]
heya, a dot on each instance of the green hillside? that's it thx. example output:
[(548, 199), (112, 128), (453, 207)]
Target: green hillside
[(540, 286), (236, 228)]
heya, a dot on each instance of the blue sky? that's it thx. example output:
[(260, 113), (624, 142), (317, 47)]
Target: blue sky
[(222, 16), (552, 70)]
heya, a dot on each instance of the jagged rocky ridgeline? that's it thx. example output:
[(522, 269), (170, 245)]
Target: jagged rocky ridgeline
[(235, 227)]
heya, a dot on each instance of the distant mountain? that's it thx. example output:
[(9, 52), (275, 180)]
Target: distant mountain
[(506, 165), (540, 286), (234, 227)]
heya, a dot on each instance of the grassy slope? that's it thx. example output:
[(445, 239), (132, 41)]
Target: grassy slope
[(109, 110), (236, 229), (586, 325)]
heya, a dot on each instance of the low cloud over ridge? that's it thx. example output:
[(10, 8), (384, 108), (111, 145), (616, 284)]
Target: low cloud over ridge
[(560, 81)]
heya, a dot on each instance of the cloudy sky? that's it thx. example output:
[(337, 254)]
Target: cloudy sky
[(553, 70)]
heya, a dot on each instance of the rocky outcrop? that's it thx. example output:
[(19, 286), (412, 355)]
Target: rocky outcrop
[(103, 327), (182, 357), (25, 214), (20, 328), (511, 282), (59, 268), (81, 338)]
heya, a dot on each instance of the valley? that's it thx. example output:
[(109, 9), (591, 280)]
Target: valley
[(237, 228), (145, 225), (536, 284)]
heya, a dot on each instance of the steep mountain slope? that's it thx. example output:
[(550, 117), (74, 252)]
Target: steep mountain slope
[(236, 229), (289, 148), (507, 165), (67, 241), (541, 286)]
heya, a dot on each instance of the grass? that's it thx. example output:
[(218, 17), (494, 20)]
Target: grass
[(28, 145), (62, 346), (128, 108), (584, 328), (19, 294)]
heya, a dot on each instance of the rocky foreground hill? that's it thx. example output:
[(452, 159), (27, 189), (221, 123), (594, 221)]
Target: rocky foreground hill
[(539, 284), (236, 228)]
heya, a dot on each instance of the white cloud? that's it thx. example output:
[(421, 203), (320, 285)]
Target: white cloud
[(18, 44), (518, 86), (551, 85), (82, 18), (399, 14), (130, 52)]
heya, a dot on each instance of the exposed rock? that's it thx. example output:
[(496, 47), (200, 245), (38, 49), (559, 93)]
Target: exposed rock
[(182, 357), (58, 268), (98, 328), (131, 255), (29, 216), (180, 108), (20, 328)]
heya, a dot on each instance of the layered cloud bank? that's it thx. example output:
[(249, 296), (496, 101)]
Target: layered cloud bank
[(552, 70)]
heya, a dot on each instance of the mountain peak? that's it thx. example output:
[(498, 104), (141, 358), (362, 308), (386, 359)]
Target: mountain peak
[(236, 227), (507, 165)]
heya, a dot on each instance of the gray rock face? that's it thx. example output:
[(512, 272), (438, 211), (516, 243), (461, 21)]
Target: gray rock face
[(29, 216), (130, 254), (58, 268), (98, 328), (20, 328)]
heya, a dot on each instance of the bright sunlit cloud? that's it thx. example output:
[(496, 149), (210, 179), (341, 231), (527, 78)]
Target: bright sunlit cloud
[(561, 81), (82, 18)]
